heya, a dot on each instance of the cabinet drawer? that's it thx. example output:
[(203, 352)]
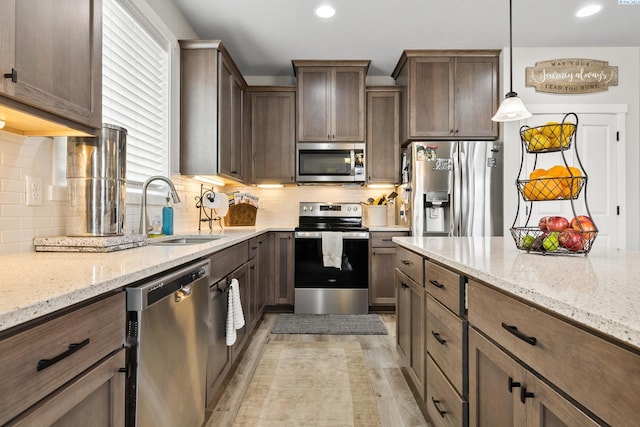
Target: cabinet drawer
[(227, 260), (253, 247), (99, 328), (446, 286), (447, 343), (600, 375), (445, 407), (410, 263), (383, 239)]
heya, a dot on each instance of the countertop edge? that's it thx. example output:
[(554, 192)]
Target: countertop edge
[(156, 259), (616, 328)]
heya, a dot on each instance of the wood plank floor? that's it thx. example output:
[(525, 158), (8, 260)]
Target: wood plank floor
[(396, 404)]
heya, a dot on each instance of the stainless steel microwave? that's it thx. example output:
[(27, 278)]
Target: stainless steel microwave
[(330, 162)]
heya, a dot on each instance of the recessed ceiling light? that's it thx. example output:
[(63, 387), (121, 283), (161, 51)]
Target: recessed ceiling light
[(588, 10), (325, 11)]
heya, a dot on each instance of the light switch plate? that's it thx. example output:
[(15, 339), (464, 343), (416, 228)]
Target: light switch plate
[(34, 190)]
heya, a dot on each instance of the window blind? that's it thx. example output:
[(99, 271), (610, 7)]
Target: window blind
[(135, 91)]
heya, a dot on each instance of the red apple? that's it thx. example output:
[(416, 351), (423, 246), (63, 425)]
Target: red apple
[(542, 224), (584, 224), (557, 223), (571, 239)]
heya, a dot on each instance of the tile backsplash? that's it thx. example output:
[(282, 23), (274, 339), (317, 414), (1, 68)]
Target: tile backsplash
[(36, 156)]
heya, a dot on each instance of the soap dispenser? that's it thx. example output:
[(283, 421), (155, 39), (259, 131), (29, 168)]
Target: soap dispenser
[(167, 219)]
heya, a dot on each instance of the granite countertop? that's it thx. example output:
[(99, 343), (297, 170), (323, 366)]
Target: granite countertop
[(38, 283), (599, 290)]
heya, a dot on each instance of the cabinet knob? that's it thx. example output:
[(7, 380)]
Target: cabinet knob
[(13, 75)]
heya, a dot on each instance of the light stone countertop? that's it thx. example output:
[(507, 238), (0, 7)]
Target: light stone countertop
[(38, 283), (600, 290)]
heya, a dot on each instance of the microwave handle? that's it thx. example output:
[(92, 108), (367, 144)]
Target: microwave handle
[(353, 162)]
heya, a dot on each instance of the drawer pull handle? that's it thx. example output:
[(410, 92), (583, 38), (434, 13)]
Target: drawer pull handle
[(436, 335), (436, 284), (524, 394), (436, 404), (387, 240), (514, 330), (513, 384), (405, 262), (404, 286), (73, 347)]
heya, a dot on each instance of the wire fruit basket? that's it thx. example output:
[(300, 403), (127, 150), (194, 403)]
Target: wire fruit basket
[(548, 138), (565, 242), (560, 236)]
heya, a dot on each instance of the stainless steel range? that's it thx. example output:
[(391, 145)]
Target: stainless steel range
[(331, 259)]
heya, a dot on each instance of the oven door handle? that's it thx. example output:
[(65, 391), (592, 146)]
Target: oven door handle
[(346, 235)]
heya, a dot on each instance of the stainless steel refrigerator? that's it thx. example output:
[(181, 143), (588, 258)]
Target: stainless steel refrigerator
[(451, 188)]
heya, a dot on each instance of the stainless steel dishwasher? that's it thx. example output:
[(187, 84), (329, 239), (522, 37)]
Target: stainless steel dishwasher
[(167, 338)]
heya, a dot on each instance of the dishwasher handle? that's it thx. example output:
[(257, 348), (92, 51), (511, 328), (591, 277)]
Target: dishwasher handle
[(184, 292), (177, 285)]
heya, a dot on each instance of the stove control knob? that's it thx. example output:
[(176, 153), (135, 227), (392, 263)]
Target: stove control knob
[(355, 208)]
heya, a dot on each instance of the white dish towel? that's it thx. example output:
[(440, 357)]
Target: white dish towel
[(235, 315), (332, 249)]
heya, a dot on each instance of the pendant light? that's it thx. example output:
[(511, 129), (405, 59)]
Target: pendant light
[(512, 107)]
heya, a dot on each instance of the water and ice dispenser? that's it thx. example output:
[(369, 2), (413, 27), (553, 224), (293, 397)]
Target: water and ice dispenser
[(437, 209)]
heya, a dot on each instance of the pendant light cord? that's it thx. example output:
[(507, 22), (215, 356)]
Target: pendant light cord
[(510, 49)]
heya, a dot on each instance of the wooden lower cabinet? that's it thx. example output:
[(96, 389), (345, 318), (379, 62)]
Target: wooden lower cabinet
[(443, 403), (503, 393), (97, 395), (410, 327), (63, 360), (382, 261), (281, 246)]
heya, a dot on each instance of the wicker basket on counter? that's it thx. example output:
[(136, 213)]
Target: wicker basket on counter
[(242, 214)]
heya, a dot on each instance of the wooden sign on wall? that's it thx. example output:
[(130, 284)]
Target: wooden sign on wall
[(572, 76)]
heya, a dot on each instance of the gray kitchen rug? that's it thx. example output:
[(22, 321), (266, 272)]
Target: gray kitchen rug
[(329, 324)]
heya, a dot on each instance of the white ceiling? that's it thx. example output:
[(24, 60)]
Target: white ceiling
[(263, 36)]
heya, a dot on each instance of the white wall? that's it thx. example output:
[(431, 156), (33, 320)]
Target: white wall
[(626, 93)]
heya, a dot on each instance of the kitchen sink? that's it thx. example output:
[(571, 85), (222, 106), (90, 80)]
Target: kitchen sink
[(184, 240)]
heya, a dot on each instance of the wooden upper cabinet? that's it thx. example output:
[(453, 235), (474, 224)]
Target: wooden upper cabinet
[(383, 135), (331, 100), (51, 60), (211, 111), (273, 127), (448, 94), (476, 96), (230, 121)]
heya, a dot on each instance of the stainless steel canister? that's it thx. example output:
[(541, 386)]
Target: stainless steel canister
[(96, 183)]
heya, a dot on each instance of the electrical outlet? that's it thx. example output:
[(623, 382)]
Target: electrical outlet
[(34, 190)]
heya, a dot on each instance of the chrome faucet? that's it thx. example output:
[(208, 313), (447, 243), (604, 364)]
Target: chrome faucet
[(143, 208)]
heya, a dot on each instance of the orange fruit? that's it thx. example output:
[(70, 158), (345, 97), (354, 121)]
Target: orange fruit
[(575, 171), (558, 171), (537, 173), (527, 191)]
